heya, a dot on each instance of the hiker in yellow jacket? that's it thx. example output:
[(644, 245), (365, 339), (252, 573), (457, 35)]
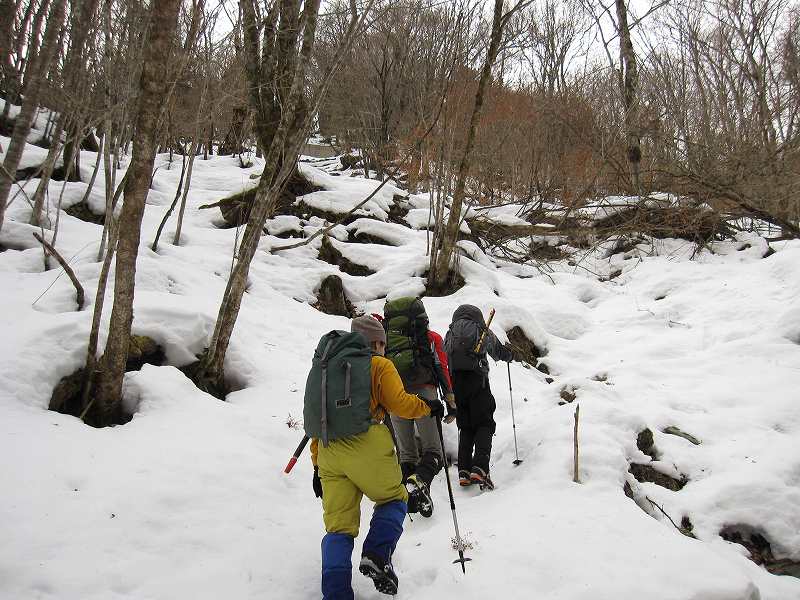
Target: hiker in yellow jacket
[(366, 464)]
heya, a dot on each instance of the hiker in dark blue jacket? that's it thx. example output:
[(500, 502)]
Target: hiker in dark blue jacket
[(474, 401)]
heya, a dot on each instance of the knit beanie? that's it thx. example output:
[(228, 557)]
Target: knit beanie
[(369, 327)]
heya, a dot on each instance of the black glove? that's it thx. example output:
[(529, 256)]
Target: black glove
[(510, 354), (437, 410), (451, 415), (317, 483)]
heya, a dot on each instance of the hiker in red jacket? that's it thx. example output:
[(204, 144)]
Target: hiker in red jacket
[(419, 468)]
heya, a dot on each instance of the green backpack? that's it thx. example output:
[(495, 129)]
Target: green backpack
[(407, 344), (337, 396)]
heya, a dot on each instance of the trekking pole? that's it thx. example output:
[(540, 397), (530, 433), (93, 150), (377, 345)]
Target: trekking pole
[(296, 455), (477, 348), (460, 558), (518, 460)]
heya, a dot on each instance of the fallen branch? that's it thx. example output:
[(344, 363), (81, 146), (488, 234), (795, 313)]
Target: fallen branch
[(663, 512), (67, 269)]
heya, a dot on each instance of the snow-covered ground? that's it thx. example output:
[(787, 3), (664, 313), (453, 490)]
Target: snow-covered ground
[(188, 500)]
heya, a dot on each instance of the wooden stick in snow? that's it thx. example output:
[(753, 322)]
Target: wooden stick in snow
[(575, 476)]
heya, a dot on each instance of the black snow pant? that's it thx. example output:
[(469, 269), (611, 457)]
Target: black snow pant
[(475, 419)]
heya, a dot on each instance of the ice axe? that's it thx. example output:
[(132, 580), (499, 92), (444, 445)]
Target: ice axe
[(477, 348), (296, 455)]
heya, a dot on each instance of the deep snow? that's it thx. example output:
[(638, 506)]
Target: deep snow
[(188, 500)]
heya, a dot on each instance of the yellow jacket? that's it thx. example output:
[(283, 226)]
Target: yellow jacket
[(387, 396)]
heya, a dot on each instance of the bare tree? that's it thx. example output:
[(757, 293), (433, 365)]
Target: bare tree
[(629, 88), (163, 23), (439, 275), (278, 49), (39, 67)]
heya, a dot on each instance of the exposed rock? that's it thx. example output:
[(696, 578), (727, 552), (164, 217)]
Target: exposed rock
[(27, 172), (649, 473), (770, 251), (90, 143), (235, 208), (304, 211), (366, 238), (398, 212), (567, 394), (454, 283), (645, 443), (544, 251), (542, 367), (42, 142), (289, 234), (59, 173), (81, 210), (523, 348), (687, 527), (66, 397), (624, 244), (349, 161), (628, 490), (672, 430), (760, 549), (143, 350), (331, 255), (331, 298), (67, 394), (217, 387)]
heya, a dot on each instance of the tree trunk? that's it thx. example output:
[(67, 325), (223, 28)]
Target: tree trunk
[(163, 24), (30, 44), (20, 43), (629, 83), (439, 277), (8, 12), (281, 138), (47, 173), (96, 169), (24, 120), (210, 145), (109, 175), (178, 191), (177, 239)]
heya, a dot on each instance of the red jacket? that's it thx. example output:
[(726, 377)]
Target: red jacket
[(436, 340)]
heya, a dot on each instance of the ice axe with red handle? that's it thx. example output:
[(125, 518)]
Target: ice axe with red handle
[(296, 455)]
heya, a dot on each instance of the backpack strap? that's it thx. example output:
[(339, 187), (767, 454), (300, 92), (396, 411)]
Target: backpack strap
[(324, 394), (347, 369)]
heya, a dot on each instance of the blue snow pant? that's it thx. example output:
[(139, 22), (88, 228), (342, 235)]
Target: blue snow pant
[(385, 529)]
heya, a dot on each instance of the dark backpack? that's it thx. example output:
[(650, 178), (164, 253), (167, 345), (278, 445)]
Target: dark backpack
[(460, 342), (407, 344), (337, 396)]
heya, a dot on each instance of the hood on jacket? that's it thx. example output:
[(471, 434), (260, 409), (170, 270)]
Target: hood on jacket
[(469, 312)]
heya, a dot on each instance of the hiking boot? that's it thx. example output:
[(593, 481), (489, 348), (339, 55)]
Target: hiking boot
[(419, 497), (380, 571), (464, 479), (481, 478)]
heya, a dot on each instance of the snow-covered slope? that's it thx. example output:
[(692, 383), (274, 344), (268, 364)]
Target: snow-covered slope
[(188, 500)]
